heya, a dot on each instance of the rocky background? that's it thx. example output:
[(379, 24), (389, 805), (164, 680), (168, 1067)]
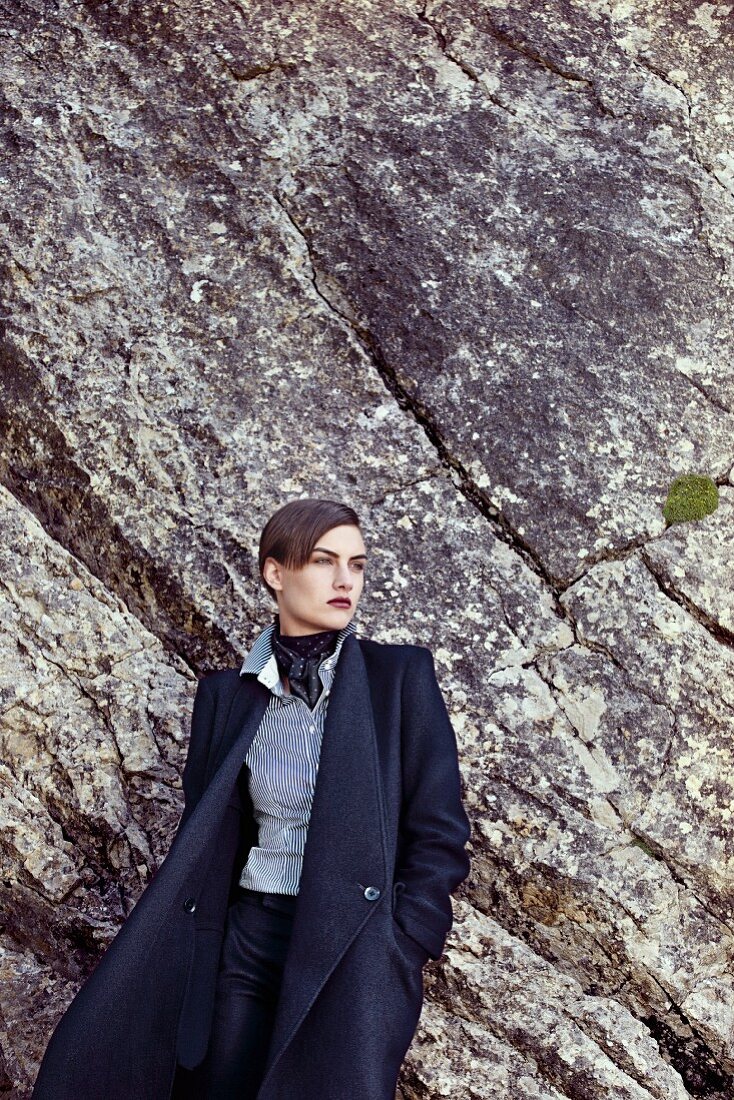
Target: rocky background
[(468, 267)]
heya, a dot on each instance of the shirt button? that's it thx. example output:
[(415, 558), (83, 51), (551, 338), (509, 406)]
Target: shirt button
[(371, 893)]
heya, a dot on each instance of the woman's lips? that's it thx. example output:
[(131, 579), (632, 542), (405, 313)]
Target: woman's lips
[(340, 603)]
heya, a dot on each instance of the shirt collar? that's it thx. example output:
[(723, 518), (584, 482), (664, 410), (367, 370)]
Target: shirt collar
[(263, 663)]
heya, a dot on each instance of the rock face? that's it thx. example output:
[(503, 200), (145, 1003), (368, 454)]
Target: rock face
[(467, 267)]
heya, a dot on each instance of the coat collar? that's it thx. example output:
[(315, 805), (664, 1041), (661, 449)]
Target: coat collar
[(261, 660), (346, 847)]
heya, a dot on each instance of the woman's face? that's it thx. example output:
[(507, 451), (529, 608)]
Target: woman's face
[(335, 570)]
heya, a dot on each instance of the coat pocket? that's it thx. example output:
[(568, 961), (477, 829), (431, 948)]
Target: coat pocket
[(405, 941), (397, 888)]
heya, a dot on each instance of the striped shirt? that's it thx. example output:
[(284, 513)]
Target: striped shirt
[(282, 763)]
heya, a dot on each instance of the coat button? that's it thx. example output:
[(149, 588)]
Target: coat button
[(371, 893), (190, 905)]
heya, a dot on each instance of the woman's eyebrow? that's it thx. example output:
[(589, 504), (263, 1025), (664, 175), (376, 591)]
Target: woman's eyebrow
[(323, 550)]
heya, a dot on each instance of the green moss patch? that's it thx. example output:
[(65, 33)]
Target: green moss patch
[(691, 497)]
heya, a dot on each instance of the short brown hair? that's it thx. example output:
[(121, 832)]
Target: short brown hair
[(291, 533)]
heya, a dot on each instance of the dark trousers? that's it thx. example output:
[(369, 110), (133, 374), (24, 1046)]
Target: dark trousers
[(255, 943)]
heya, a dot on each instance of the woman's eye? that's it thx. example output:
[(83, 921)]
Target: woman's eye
[(327, 561)]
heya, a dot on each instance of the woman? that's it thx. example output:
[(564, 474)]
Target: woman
[(278, 951)]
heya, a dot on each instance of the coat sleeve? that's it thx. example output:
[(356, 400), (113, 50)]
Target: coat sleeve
[(434, 827), (198, 751)]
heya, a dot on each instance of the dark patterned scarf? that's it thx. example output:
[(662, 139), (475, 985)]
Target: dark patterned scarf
[(299, 657)]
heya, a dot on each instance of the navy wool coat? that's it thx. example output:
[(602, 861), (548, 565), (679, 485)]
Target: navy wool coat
[(385, 850)]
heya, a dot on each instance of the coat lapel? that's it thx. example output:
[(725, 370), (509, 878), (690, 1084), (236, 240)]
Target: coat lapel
[(346, 845), (346, 849), (247, 707)]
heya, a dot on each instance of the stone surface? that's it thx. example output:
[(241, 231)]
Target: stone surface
[(467, 266), (518, 1028)]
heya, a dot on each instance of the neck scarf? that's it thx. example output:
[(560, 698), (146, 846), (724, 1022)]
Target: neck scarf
[(299, 657)]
